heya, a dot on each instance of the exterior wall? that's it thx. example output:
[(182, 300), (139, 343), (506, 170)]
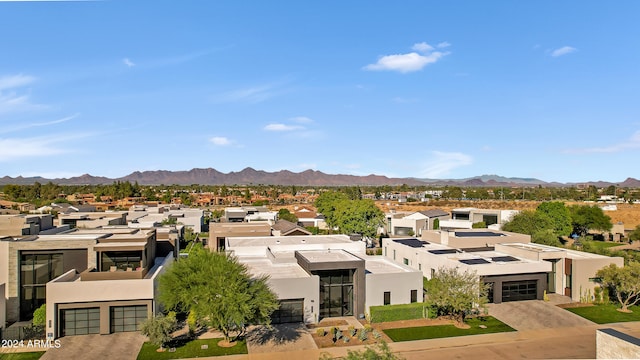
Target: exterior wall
[(300, 288), (3, 306), (612, 344), (399, 284), (584, 269), (13, 261)]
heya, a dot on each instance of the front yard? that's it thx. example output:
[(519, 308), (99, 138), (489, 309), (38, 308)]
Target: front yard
[(191, 349), (479, 325), (604, 314)]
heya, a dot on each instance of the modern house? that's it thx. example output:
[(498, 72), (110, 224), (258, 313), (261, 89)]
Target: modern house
[(219, 232), (325, 276), (93, 281), (464, 218), (515, 268), (401, 224), (24, 225)]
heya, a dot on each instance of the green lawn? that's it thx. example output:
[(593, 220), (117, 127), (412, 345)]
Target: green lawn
[(191, 349), (22, 356), (603, 314), (441, 331), (604, 245)]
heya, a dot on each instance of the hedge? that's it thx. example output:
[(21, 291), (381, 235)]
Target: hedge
[(413, 311)]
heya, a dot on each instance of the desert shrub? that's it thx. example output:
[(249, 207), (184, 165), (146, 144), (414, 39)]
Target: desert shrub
[(321, 332)]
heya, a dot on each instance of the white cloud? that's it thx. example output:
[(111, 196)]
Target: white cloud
[(128, 62), (255, 94), (220, 141), (47, 123), (443, 162), (302, 120), (282, 127), (19, 148), (632, 143), (563, 51), (422, 47), (15, 81), (443, 45), (409, 62)]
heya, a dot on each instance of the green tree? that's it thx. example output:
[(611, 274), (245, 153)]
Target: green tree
[(456, 293), (326, 204), (220, 290), (559, 216), (585, 218), (479, 225), (40, 316), (436, 224), (158, 329), (285, 214), (635, 234), (380, 351), (623, 282), (528, 222), (546, 237), (358, 216)]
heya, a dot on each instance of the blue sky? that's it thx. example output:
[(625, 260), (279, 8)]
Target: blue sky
[(428, 89)]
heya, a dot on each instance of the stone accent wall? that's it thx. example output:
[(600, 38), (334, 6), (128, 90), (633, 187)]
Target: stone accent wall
[(613, 344)]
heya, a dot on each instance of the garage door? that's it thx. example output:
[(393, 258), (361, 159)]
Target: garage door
[(289, 311), (520, 290), (80, 321), (127, 318)]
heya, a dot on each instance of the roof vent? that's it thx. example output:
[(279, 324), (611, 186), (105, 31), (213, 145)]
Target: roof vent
[(277, 241)]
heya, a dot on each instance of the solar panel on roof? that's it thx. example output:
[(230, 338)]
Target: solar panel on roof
[(474, 261), (503, 259), (443, 251), (414, 243), (477, 234)]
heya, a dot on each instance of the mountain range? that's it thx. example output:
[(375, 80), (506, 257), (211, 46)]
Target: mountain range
[(210, 176)]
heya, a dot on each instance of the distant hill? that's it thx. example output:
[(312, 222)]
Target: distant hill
[(210, 176)]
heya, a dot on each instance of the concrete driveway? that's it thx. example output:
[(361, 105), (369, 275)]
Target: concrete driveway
[(123, 346), (535, 314), (278, 338)]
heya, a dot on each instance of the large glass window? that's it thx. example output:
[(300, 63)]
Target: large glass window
[(121, 260), (36, 270), (336, 292)]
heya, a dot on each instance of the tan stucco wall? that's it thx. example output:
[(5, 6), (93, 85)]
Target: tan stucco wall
[(583, 269), (611, 344)]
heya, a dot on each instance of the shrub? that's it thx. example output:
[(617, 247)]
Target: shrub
[(363, 335), (367, 327), (376, 334), (321, 332), (158, 329), (334, 330), (338, 334), (192, 323), (40, 316), (353, 331), (345, 339), (386, 313)]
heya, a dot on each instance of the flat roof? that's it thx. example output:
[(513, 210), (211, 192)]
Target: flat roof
[(378, 265), (262, 266), (287, 240), (322, 256), (132, 245), (477, 234), (414, 243)]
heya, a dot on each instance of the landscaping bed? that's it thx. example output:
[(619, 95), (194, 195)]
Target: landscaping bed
[(373, 336), (22, 355)]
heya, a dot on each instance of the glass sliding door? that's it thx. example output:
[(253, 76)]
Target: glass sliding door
[(336, 292)]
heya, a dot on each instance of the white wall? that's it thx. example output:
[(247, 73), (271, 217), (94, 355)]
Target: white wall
[(300, 288), (399, 284)]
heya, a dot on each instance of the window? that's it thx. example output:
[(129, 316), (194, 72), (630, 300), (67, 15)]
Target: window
[(414, 296), (121, 260), (385, 251), (394, 254), (36, 270), (405, 261), (387, 297), (433, 272), (420, 267)]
